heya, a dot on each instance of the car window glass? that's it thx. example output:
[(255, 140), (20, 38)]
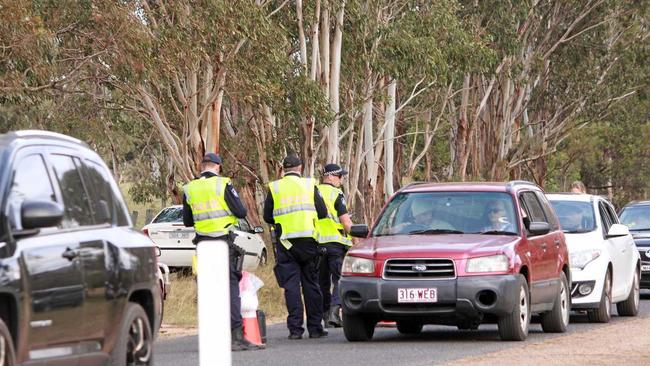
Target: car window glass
[(77, 210), (575, 216), (604, 218), (548, 211), (243, 225), (440, 212), (101, 179), (169, 214), (31, 182), (636, 217), (612, 214), (534, 208)]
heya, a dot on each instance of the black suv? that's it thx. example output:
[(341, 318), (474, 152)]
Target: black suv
[(77, 284), (636, 215)]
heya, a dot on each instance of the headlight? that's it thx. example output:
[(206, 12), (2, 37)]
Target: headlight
[(580, 259), (358, 265), (493, 263)]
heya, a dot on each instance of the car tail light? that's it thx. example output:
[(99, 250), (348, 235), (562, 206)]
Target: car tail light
[(145, 232)]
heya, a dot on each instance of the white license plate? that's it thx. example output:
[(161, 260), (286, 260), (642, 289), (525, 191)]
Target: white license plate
[(411, 295), (179, 235), (645, 268)]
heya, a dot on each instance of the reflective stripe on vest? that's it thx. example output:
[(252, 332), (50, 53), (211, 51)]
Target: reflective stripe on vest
[(330, 228), (293, 207), (206, 197)]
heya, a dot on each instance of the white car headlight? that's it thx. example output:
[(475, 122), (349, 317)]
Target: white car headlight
[(580, 259), (358, 265), (493, 263)]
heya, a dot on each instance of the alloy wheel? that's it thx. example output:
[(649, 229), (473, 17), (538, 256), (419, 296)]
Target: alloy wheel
[(608, 294), (523, 309), (564, 303), (3, 351), (139, 343), (637, 290)]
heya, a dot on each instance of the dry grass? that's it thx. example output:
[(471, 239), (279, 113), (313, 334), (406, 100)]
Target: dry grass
[(181, 310)]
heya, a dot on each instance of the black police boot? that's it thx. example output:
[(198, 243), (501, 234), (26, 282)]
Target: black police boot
[(239, 343), (334, 318)]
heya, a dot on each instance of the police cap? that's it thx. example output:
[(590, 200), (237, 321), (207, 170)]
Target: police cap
[(211, 158), (291, 161)]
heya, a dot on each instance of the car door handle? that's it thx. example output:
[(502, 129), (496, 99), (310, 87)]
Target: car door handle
[(557, 242), (70, 254), (543, 246)]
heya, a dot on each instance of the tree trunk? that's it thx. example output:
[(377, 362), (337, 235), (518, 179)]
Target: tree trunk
[(389, 143)]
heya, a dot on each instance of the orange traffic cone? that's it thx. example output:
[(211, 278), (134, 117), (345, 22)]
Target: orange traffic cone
[(252, 330)]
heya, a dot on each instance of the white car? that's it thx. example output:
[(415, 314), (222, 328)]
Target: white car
[(175, 239), (605, 264)]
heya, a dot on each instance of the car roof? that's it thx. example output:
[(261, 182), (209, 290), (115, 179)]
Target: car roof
[(468, 186), (575, 197), (13, 136), (637, 203)]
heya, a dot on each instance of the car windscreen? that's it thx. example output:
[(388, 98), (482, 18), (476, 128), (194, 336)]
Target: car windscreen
[(169, 214), (431, 213), (637, 218), (575, 216)]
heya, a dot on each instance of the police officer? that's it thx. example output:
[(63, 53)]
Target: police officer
[(333, 236), (211, 205), (292, 206)]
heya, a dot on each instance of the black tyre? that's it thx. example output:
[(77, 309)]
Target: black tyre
[(134, 344), (630, 307), (409, 327), (358, 328), (514, 326), (557, 320), (604, 311), (7, 353)]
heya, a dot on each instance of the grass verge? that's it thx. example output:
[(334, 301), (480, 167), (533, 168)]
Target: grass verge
[(181, 309)]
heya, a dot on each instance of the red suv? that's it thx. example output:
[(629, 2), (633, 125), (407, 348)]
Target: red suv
[(459, 254)]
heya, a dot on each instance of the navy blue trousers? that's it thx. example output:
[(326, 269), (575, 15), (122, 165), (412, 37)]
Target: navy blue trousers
[(235, 300), (330, 274), (295, 269)]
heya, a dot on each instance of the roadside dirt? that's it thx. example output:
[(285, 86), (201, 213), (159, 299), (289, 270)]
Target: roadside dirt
[(622, 343)]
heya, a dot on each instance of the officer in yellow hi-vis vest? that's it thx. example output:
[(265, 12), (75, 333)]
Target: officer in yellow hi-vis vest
[(292, 206), (211, 205), (333, 236)]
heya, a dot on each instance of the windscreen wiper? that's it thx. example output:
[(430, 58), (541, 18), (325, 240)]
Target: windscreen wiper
[(497, 232), (436, 231), (576, 231)]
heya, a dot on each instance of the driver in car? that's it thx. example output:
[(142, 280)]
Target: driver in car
[(573, 220), (498, 217)]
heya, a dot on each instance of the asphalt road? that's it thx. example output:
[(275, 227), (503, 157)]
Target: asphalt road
[(436, 344)]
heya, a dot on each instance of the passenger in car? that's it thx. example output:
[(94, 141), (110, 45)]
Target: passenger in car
[(573, 220), (423, 217)]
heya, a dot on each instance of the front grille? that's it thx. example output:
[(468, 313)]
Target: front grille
[(424, 269), (643, 253)]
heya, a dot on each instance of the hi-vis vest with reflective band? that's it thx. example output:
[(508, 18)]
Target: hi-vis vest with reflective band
[(206, 197), (293, 207), (329, 229)]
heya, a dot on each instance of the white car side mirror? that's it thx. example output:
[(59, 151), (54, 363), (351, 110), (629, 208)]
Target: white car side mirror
[(618, 230)]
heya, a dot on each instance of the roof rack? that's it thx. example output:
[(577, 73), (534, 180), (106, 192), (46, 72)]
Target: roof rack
[(49, 134)]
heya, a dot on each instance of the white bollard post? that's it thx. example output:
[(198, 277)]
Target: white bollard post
[(213, 281)]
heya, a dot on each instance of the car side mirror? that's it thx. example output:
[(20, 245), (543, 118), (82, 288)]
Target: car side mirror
[(40, 214), (539, 228), (258, 229), (617, 230), (359, 230)]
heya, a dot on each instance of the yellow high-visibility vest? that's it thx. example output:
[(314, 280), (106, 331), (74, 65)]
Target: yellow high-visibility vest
[(206, 197), (330, 229), (293, 207)]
